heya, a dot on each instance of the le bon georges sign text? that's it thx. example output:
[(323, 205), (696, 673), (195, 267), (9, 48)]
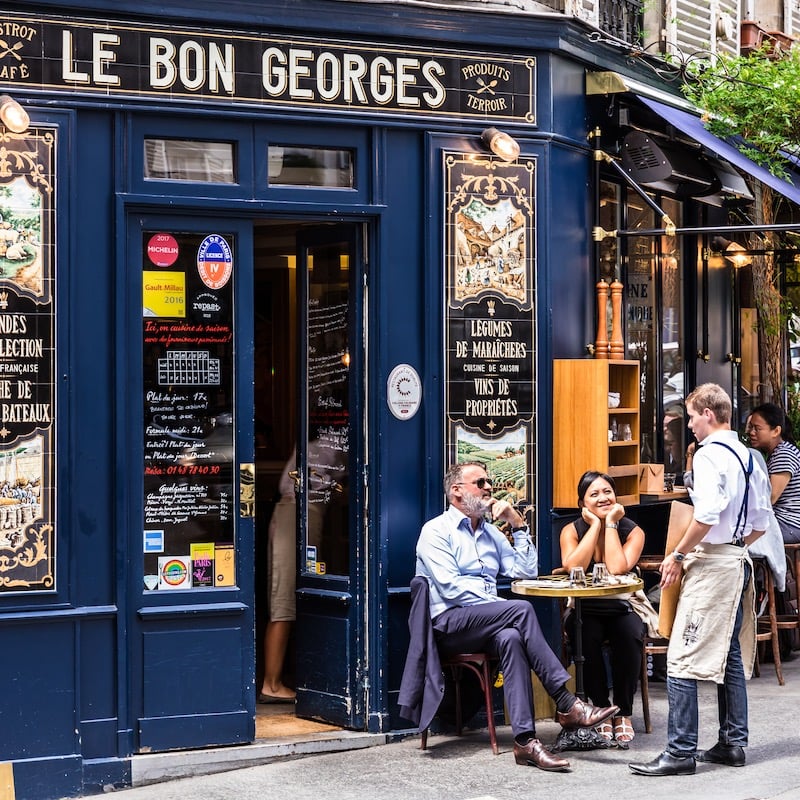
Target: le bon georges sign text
[(133, 59)]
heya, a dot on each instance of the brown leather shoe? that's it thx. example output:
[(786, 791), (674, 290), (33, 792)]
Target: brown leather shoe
[(583, 715), (534, 754)]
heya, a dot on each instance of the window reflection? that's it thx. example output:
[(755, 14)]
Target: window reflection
[(672, 347), (187, 160), (654, 317), (310, 166)]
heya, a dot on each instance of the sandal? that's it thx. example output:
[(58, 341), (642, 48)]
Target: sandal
[(623, 731), (605, 730)]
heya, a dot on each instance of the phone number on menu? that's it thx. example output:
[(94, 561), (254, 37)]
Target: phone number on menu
[(191, 469)]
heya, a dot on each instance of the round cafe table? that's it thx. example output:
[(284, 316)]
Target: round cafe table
[(560, 586)]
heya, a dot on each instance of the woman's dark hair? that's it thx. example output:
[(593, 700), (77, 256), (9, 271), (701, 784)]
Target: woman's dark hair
[(775, 417), (588, 478)]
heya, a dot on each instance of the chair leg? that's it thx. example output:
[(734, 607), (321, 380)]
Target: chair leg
[(644, 688), (773, 624), (457, 680), (423, 745), (487, 695)]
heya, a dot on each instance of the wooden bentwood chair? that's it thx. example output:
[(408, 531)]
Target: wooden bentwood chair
[(480, 664)]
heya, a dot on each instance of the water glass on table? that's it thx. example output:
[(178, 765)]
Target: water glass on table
[(600, 574), (577, 577)]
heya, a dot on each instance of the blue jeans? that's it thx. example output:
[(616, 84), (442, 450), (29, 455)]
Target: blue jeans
[(731, 699)]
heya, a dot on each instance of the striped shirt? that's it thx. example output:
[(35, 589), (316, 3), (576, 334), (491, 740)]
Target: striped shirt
[(786, 458)]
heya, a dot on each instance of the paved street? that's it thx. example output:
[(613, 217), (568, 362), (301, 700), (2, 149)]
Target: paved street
[(465, 769)]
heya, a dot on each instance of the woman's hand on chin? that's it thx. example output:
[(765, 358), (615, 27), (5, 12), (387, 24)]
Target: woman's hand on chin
[(588, 517), (616, 513)]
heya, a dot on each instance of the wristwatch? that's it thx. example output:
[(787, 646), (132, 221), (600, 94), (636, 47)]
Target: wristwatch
[(518, 530), (612, 525), (678, 556)]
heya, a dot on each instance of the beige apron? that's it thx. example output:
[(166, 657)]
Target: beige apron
[(706, 613)]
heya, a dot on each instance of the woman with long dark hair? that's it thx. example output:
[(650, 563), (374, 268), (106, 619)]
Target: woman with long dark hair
[(771, 432)]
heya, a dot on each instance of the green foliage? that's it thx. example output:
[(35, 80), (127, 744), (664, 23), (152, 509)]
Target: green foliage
[(754, 97), (793, 406)]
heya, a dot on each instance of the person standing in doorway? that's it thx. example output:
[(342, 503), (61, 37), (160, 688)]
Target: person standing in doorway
[(713, 637), (282, 567)]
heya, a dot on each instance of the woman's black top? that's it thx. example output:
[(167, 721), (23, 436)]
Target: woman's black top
[(610, 605)]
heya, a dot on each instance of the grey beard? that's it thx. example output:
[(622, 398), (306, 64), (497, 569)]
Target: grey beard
[(474, 506)]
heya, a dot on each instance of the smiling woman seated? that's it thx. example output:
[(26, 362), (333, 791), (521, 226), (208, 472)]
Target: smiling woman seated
[(603, 534)]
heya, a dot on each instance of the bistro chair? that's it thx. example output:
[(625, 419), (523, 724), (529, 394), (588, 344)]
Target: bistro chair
[(482, 665), (651, 647), (793, 564), (770, 623)]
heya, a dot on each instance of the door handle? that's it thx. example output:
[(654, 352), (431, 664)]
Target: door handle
[(295, 476), (732, 358)]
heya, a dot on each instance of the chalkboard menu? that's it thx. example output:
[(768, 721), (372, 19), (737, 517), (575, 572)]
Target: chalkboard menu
[(328, 377), (187, 330)]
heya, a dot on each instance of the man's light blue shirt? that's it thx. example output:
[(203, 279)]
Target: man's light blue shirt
[(462, 565)]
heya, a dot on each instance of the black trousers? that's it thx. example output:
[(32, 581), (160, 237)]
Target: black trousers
[(509, 630), (623, 633)]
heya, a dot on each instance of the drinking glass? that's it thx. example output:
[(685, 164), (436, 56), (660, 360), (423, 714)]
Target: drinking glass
[(577, 577), (600, 574), (669, 481)]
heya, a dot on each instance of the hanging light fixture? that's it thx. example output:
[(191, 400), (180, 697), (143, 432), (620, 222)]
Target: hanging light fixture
[(501, 144), (13, 115), (733, 251)]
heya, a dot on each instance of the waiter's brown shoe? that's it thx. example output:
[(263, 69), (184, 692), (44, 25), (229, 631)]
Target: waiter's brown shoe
[(583, 715), (534, 754)]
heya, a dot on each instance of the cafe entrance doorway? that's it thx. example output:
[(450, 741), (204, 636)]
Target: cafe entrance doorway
[(308, 444)]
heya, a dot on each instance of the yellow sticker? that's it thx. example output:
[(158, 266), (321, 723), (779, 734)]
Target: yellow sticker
[(163, 294)]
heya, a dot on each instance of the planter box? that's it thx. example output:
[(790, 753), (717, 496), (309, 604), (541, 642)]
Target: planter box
[(753, 37)]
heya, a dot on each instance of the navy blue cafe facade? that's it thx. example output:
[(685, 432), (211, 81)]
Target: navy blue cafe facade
[(228, 239)]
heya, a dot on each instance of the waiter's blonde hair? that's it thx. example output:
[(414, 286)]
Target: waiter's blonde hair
[(713, 397)]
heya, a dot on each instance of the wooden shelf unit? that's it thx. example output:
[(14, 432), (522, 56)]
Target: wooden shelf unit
[(582, 420)]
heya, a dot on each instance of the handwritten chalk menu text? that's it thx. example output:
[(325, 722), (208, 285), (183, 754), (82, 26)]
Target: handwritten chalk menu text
[(328, 388), (188, 436)]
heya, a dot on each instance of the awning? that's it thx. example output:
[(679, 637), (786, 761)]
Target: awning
[(692, 126)]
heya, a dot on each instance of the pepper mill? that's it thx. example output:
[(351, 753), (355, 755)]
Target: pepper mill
[(601, 340), (617, 346)]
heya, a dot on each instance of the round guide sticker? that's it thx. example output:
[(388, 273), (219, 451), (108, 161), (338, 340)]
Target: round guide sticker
[(174, 572), (214, 261), (162, 249), (404, 391)]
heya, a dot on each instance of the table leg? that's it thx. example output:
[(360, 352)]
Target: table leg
[(577, 656)]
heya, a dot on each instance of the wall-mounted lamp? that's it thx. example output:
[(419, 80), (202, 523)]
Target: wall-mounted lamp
[(734, 252), (13, 115), (501, 144)]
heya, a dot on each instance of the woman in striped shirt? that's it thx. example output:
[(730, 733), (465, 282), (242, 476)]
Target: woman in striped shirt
[(771, 432)]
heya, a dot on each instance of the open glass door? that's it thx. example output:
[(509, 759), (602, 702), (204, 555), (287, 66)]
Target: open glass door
[(331, 501)]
